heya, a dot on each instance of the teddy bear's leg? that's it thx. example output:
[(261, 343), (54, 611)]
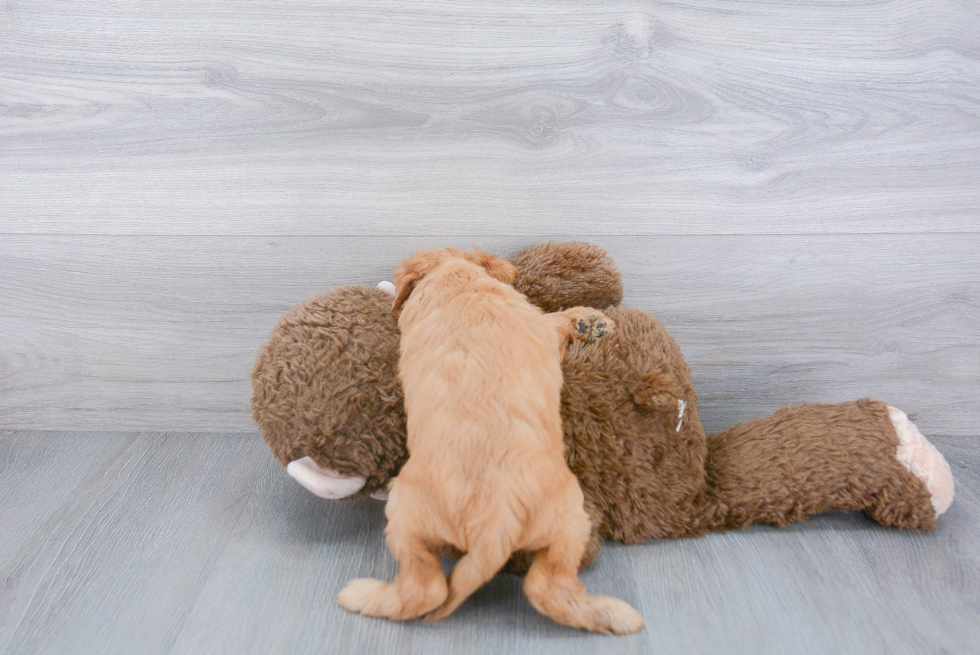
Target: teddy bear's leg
[(860, 455)]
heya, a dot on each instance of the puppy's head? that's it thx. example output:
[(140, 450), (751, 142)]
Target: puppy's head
[(416, 267)]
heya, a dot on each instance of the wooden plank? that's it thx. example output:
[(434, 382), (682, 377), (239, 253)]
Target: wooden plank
[(434, 118), (190, 543), (39, 475), (122, 555), (160, 332)]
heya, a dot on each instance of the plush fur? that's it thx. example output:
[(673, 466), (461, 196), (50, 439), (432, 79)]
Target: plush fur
[(555, 276), (790, 465), (486, 474), (325, 385), (650, 479), (623, 400)]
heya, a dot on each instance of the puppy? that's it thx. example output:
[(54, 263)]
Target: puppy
[(486, 474)]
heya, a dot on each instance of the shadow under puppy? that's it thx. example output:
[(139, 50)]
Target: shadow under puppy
[(486, 473)]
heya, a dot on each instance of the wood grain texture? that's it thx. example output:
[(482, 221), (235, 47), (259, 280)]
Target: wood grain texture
[(791, 185), (510, 118), (193, 543), (160, 333)]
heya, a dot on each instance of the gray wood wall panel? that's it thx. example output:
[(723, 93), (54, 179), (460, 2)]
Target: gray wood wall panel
[(791, 185), (446, 118), (132, 332), (189, 543)]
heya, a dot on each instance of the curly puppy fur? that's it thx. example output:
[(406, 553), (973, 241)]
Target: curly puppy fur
[(486, 474)]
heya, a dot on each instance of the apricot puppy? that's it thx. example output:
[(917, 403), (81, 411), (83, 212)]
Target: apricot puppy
[(486, 473)]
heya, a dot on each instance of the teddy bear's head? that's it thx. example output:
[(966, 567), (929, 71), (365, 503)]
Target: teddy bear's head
[(326, 395)]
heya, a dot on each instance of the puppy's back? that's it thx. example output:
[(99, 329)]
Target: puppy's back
[(482, 379)]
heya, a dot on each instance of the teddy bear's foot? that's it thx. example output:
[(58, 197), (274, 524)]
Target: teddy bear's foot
[(923, 460), (921, 487)]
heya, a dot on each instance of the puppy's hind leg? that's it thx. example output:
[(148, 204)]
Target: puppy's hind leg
[(419, 587), (553, 587)]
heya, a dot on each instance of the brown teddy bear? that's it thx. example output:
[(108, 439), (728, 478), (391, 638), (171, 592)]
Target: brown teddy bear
[(328, 402)]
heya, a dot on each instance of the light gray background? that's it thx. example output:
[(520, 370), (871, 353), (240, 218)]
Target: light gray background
[(793, 187)]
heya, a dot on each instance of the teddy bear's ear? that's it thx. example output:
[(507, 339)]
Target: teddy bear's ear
[(556, 276), (660, 391)]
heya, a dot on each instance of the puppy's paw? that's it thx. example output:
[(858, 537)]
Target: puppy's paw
[(363, 595), (613, 616), (592, 327)]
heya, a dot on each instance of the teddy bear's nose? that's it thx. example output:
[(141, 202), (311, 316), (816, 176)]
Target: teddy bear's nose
[(324, 482)]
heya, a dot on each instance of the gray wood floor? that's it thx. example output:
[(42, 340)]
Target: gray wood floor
[(199, 543)]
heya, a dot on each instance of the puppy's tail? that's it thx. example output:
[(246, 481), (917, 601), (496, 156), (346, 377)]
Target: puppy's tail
[(472, 571)]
